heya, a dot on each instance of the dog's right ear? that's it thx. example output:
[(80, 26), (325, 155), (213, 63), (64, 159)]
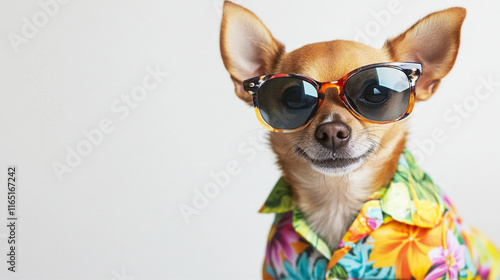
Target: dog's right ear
[(247, 47)]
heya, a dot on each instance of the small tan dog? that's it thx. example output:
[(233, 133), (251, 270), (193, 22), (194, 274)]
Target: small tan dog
[(352, 203)]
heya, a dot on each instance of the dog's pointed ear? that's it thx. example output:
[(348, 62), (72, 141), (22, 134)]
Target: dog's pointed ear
[(247, 47), (432, 41)]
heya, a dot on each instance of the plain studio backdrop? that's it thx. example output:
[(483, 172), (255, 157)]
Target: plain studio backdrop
[(120, 113)]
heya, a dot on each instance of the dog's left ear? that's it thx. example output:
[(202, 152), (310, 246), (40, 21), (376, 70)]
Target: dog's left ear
[(432, 41)]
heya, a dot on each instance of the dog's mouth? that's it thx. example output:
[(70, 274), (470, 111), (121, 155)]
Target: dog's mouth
[(335, 164)]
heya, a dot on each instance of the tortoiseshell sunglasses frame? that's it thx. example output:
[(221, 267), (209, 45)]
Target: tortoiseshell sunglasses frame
[(413, 71)]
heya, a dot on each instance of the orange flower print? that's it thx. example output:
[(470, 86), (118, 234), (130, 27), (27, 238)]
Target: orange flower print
[(405, 246)]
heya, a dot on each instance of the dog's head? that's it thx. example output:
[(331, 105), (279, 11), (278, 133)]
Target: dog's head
[(337, 142)]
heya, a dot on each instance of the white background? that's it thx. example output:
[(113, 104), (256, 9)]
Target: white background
[(116, 215)]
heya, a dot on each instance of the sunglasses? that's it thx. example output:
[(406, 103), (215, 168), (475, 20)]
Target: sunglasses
[(378, 93)]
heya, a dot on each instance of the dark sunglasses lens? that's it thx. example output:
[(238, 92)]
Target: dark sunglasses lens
[(286, 102), (379, 94)]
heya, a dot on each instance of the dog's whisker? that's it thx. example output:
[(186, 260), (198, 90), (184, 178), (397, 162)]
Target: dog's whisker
[(326, 185)]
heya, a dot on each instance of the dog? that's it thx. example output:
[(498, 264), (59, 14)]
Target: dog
[(352, 202)]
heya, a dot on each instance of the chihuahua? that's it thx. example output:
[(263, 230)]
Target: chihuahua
[(352, 202)]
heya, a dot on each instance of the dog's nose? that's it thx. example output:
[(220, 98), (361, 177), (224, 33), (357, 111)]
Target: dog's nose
[(333, 135)]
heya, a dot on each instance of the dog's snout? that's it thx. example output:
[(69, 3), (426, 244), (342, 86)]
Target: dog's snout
[(333, 135)]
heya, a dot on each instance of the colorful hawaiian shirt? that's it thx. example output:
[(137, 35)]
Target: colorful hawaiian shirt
[(407, 230)]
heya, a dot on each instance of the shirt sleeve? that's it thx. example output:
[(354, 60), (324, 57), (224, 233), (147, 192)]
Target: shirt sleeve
[(474, 255)]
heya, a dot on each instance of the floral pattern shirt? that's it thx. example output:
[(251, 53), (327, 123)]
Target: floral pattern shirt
[(407, 230)]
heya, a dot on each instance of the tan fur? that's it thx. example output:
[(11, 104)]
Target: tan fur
[(260, 50), (331, 200), (419, 44)]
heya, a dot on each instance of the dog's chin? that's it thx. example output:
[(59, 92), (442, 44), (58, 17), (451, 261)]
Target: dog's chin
[(336, 166)]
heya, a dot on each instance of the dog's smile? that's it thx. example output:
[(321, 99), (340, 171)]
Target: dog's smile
[(334, 163)]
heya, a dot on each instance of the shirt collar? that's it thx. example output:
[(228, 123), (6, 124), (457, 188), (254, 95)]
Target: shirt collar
[(411, 198)]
